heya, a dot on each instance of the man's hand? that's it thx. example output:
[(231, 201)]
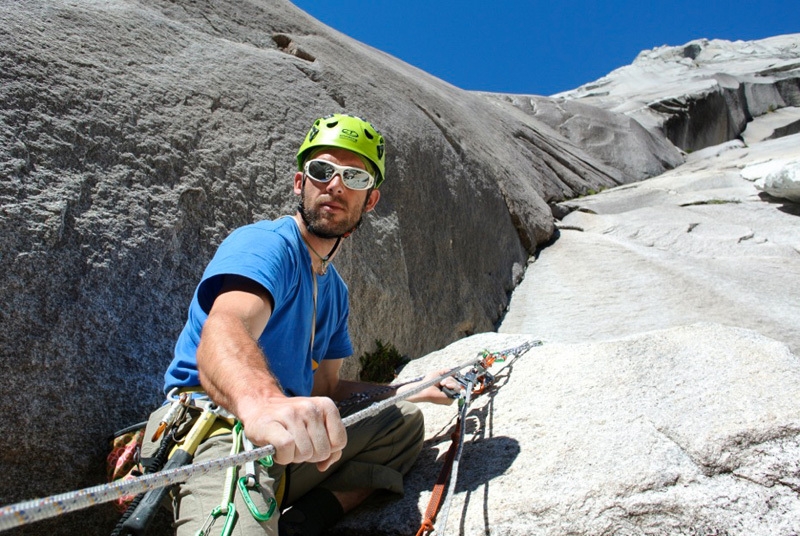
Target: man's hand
[(302, 429), (434, 393)]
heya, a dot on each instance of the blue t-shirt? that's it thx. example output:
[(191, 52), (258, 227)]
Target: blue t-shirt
[(273, 254)]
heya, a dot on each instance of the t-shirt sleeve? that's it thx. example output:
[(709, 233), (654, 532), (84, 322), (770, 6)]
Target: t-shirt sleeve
[(260, 256)]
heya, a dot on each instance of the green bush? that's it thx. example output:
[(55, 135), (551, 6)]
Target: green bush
[(380, 366)]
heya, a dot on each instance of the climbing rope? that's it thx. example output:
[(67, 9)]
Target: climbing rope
[(477, 381), (457, 458), (26, 512)]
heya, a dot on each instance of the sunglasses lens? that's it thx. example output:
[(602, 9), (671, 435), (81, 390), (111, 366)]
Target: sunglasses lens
[(356, 179), (353, 178), (320, 170)]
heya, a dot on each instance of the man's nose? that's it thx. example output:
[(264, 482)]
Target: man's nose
[(336, 184)]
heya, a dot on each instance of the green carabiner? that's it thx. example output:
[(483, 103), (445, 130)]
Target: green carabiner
[(272, 504), (230, 520)]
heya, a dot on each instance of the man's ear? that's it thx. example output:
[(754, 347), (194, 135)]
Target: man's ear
[(298, 182), (372, 200)]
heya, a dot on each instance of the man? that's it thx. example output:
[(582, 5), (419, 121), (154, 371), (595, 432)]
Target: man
[(251, 346)]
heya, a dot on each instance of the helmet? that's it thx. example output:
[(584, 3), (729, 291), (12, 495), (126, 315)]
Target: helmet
[(346, 132)]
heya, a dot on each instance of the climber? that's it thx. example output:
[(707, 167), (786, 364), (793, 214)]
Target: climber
[(250, 348)]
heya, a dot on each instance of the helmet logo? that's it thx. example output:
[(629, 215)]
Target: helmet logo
[(313, 133), (349, 134)]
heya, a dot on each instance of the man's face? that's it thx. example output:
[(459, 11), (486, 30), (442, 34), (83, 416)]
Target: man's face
[(331, 209)]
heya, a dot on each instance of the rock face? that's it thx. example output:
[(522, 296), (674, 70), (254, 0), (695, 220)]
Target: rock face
[(637, 415), (613, 138), (135, 135), (695, 244), (703, 93)]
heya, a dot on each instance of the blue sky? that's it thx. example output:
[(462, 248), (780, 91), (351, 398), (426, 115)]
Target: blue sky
[(542, 47)]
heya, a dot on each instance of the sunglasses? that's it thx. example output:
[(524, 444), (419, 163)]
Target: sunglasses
[(353, 178)]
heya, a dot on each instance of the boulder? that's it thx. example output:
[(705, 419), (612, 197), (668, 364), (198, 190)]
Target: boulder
[(783, 184)]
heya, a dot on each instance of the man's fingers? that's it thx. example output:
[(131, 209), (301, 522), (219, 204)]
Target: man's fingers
[(301, 430), (337, 434), (275, 434), (317, 433), (326, 464), (450, 383)]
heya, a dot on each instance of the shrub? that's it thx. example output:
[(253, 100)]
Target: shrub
[(380, 366)]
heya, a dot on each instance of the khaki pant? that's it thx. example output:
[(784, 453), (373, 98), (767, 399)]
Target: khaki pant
[(379, 451)]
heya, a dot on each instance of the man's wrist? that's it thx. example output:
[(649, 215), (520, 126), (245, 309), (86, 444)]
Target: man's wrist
[(253, 405)]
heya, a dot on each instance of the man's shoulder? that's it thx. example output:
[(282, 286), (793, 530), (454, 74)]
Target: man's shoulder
[(280, 225), (264, 245), (264, 231)]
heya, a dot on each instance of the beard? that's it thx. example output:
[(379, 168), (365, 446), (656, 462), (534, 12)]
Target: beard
[(319, 225)]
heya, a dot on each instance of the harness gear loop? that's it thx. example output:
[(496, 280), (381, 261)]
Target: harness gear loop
[(180, 455), (175, 414)]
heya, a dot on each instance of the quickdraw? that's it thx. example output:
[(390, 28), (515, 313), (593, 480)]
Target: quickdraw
[(179, 470), (249, 482), (245, 484)]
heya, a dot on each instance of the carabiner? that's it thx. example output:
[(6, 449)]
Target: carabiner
[(230, 520), (245, 486)]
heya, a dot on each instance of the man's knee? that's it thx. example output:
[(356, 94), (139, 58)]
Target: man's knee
[(414, 420)]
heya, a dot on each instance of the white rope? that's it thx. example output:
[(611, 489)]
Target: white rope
[(26, 512), (451, 488)]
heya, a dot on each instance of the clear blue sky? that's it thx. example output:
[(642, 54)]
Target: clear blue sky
[(542, 47)]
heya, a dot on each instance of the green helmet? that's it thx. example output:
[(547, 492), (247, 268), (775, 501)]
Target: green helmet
[(346, 132)]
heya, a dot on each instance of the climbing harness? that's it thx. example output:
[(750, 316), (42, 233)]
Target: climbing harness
[(179, 469), (181, 455), (475, 382)]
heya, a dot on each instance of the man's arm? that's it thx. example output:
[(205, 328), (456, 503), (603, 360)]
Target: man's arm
[(234, 372), (327, 383)]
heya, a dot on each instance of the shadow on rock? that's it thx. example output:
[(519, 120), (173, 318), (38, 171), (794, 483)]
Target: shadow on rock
[(786, 207)]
